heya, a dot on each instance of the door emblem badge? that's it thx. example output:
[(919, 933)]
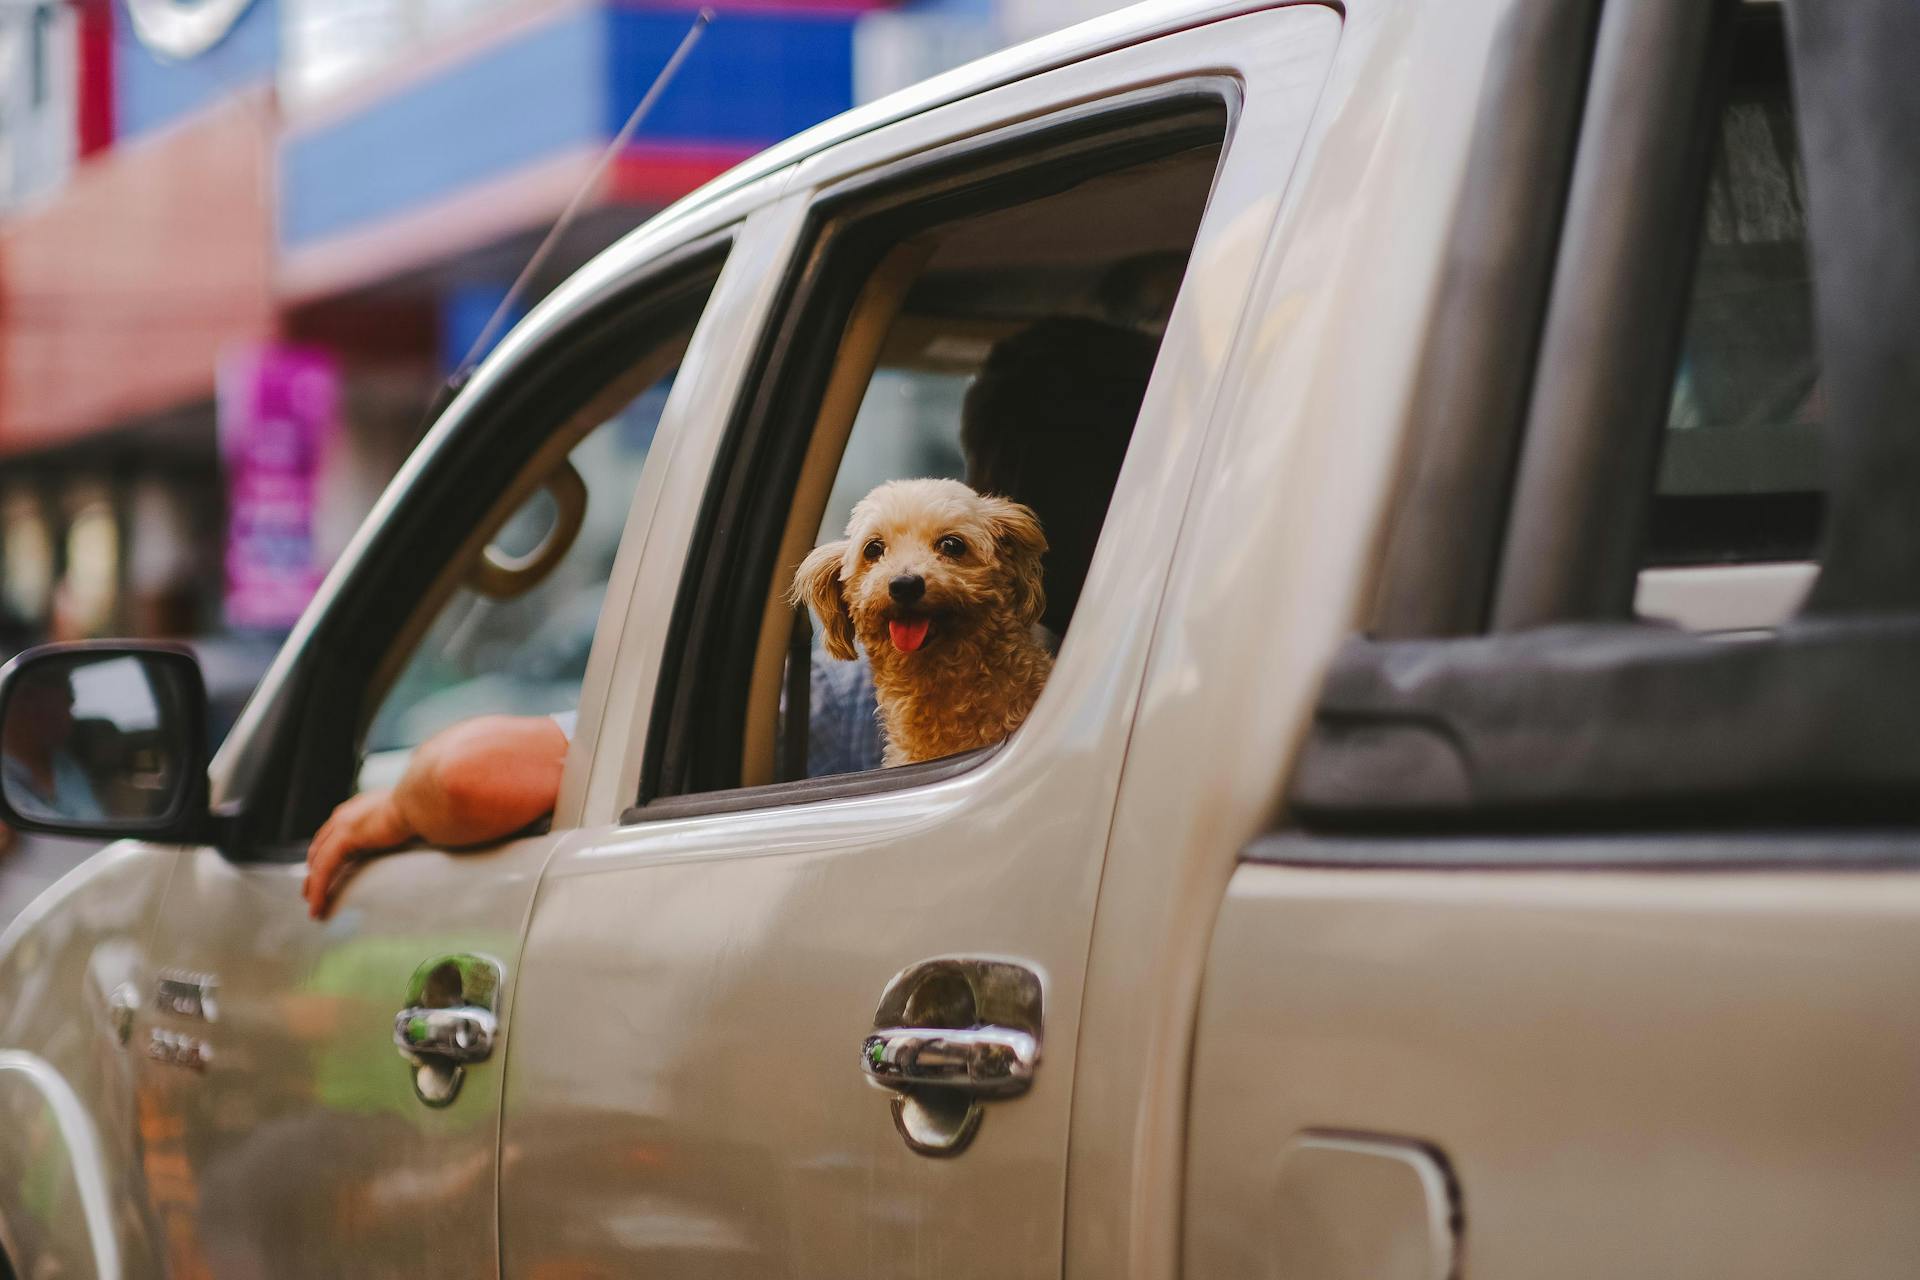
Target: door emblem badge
[(176, 1050), (186, 994)]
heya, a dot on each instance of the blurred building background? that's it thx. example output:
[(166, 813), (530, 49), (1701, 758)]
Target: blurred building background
[(242, 241)]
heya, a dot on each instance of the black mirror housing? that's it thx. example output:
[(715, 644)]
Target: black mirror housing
[(104, 739)]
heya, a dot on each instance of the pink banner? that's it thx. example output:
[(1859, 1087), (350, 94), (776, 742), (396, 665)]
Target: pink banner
[(279, 408)]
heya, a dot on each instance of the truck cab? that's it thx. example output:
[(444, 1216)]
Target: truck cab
[(1468, 829)]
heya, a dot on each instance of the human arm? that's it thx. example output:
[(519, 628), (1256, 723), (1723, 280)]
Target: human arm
[(472, 782)]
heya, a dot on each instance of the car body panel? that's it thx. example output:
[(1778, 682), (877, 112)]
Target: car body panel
[(300, 1148), (54, 1165), (685, 1095), (73, 1184), (1659, 1073), (1273, 569), (1631, 1040)]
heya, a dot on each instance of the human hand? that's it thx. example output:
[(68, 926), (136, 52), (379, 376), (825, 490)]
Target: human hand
[(368, 823)]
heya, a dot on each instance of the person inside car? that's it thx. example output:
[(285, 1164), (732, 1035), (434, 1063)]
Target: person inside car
[(1045, 422), (41, 775)]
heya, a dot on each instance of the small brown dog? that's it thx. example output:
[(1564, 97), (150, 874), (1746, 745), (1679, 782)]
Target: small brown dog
[(942, 587)]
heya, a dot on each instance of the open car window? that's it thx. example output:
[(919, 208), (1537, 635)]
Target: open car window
[(1000, 336), (509, 624), (514, 636)]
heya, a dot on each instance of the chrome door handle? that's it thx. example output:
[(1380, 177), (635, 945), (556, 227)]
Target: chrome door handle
[(448, 1024), (990, 1061), (951, 1035), (459, 1035)]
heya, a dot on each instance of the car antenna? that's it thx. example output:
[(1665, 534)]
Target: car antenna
[(458, 378)]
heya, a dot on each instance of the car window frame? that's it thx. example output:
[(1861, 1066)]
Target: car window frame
[(849, 226), (1495, 414), (1475, 379), (1567, 716), (1583, 489), (565, 435), (299, 755)]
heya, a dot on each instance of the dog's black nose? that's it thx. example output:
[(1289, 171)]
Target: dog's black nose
[(907, 588)]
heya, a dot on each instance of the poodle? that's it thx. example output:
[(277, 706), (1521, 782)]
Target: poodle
[(942, 587)]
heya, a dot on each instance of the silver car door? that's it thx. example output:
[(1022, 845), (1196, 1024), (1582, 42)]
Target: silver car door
[(283, 1133), (689, 1089)]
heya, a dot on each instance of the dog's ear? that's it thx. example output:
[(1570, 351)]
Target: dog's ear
[(1017, 533), (817, 582)]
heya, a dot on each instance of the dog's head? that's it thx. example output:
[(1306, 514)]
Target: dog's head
[(925, 563)]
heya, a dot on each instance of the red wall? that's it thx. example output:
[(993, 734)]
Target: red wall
[(116, 298)]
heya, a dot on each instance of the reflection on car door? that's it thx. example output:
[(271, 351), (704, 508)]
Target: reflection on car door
[(282, 1133)]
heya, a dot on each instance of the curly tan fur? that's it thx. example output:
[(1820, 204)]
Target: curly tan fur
[(980, 669)]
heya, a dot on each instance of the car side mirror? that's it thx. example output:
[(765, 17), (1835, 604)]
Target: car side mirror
[(104, 739)]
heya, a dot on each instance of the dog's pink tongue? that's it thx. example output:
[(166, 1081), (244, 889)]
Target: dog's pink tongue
[(908, 633)]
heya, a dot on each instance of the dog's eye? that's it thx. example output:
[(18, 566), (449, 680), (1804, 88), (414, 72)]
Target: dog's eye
[(952, 545), (874, 549)]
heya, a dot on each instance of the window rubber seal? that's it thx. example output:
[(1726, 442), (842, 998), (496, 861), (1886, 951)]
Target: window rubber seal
[(781, 795)]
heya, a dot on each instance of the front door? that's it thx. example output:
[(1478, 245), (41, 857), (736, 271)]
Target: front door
[(283, 1132), (736, 993)]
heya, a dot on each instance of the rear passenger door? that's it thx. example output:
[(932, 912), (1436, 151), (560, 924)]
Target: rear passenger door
[(689, 1089), (1587, 944)]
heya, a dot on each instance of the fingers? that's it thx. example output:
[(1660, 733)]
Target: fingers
[(367, 823), (326, 856), (330, 864), (342, 876)]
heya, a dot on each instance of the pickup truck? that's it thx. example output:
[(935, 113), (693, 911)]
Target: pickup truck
[(1472, 827)]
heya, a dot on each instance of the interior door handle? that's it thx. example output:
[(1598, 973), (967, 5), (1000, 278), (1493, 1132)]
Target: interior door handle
[(989, 1061), (949, 1036)]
